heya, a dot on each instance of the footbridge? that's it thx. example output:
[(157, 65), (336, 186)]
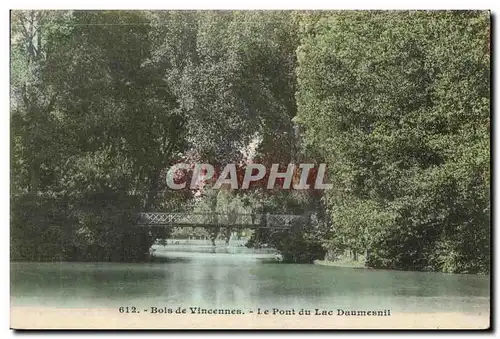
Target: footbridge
[(215, 220)]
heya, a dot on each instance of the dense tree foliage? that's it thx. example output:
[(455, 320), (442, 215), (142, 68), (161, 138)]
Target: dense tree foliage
[(398, 103)]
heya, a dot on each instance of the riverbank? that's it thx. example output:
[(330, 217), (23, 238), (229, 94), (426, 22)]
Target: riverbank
[(107, 318), (341, 263)]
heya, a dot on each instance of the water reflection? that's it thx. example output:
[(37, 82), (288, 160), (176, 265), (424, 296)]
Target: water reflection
[(232, 279)]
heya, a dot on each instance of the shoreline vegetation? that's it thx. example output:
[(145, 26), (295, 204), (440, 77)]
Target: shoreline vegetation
[(50, 318), (395, 103), (162, 259), (341, 263)]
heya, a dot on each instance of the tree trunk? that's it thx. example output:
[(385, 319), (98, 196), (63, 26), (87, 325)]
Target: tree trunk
[(151, 193)]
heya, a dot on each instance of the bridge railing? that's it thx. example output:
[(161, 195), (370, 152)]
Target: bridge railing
[(219, 219)]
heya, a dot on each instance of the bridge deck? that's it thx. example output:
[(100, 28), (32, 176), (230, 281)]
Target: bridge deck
[(235, 220)]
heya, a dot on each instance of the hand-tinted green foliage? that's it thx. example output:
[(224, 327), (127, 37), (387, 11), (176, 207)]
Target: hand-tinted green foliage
[(88, 117), (398, 105), (38, 229), (93, 227), (303, 242)]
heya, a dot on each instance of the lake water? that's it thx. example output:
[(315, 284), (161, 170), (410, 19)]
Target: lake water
[(237, 277)]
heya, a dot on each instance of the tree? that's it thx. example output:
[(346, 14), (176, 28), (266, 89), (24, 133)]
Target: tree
[(398, 105)]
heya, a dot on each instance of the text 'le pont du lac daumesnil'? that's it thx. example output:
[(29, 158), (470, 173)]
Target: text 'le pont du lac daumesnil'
[(271, 311)]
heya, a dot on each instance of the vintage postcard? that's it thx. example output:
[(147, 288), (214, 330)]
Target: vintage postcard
[(250, 169)]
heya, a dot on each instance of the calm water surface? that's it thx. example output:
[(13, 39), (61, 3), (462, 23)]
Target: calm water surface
[(241, 278)]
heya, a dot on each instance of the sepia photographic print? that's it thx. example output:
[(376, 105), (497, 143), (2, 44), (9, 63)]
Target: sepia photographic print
[(250, 169)]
